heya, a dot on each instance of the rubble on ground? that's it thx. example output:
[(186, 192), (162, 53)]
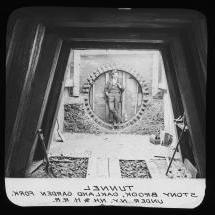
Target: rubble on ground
[(64, 167), (134, 169), (151, 122)]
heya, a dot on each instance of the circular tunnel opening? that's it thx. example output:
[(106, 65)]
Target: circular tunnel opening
[(120, 105)]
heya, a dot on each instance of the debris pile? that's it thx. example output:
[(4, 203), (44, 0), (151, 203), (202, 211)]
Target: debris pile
[(75, 120), (152, 120), (73, 116), (64, 167), (134, 169)]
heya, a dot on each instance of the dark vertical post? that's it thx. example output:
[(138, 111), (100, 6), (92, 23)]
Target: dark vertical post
[(20, 74), (55, 95), (191, 106), (39, 97)]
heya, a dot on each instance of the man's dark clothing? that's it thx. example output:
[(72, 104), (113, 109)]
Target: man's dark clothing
[(114, 99)]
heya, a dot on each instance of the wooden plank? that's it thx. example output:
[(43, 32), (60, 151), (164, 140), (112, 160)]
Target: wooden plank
[(102, 167), (91, 170), (154, 171), (155, 71), (98, 167), (76, 74), (70, 73), (114, 168), (69, 84)]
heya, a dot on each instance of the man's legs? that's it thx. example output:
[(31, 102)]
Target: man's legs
[(111, 109), (117, 105), (114, 101)]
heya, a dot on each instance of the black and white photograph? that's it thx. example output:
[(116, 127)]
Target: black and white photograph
[(105, 106)]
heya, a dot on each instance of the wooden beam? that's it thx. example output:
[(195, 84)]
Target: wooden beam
[(15, 145), (109, 17), (55, 96), (76, 73), (18, 56), (116, 34), (155, 72), (191, 108), (43, 81)]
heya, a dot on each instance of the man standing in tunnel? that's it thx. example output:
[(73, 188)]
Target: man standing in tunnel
[(113, 94)]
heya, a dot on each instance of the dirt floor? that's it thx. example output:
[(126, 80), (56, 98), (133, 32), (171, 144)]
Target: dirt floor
[(107, 155)]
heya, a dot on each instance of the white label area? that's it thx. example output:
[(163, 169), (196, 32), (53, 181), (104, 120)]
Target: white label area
[(164, 193)]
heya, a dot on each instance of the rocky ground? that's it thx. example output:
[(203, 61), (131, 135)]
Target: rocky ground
[(76, 120), (134, 169), (64, 167), (152, 121)]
